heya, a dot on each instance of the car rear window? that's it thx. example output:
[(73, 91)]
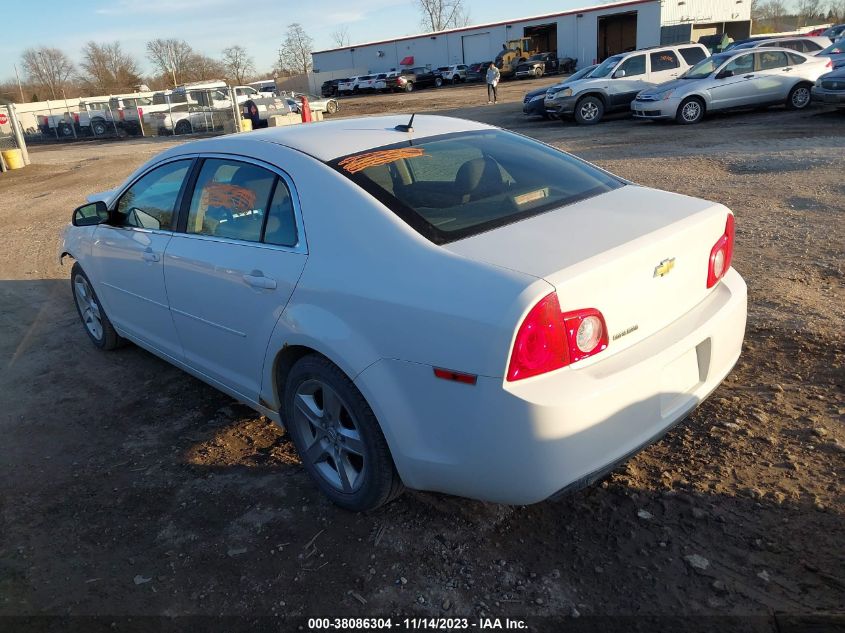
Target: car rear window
[(453, 186), (692, 55)]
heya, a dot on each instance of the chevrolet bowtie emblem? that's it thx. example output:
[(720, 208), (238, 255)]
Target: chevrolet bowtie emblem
[(664, 267)]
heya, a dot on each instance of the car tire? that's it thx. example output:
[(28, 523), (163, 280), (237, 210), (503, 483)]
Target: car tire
[(589, 110), (92, 314), (799, 97), (331, 107), (538, 73), (690, 111), (98, 127), (182, 127), (438, 81), (65, 130), (456, 80), (409, 86), (357, 479)]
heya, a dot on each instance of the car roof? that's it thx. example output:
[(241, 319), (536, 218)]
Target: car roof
[(328, 140)]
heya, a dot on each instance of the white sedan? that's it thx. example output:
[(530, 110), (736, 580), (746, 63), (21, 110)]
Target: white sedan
[(445, 306)]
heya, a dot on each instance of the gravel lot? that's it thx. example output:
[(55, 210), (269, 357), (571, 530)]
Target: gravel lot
[(128, 487)]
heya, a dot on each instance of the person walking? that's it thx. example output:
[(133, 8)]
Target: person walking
[(493, 76)]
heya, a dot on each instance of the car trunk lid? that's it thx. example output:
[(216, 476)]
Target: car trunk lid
[(638, 255)]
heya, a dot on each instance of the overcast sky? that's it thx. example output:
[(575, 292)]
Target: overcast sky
[(211, 25)]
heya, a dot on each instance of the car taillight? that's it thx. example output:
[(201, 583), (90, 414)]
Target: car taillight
[(140, 112), (549, 339), (829, 63), (120, 114), (721, 254), (76, 118)]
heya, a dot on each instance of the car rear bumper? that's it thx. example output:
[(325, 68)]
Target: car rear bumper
[(524, 442), (654, 109)]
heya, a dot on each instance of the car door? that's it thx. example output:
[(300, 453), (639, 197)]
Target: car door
[(128, 253), (232, 269), (663, 66), (774, 76), (627, 80), (733, 85)]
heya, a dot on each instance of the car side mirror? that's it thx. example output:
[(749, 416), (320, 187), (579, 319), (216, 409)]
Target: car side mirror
[(619, 74), (91, 214), (725, 74)]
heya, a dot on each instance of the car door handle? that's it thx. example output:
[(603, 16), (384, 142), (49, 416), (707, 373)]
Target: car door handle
[(149, 256), (256, 279), (747, 76), (787, 69)]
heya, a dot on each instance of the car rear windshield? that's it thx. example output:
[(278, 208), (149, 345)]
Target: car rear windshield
[(456, 185)]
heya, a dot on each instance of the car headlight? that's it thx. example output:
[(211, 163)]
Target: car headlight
[(563, 92), (667, 94)]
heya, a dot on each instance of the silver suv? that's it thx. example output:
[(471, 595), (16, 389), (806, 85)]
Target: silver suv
[(617, 80), (734, 79)]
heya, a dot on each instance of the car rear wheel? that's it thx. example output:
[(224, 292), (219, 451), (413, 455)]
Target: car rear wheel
[(538, 73), (690, 111), (438, 81), (98, 127), (456, 80), (97, 325), (338, 437), (331, 107), (799, 97), (183, 127), (589, 110), (65, 130), (409, 86)]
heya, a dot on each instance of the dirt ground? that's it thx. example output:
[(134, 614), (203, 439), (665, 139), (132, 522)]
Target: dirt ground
[(129, 488)]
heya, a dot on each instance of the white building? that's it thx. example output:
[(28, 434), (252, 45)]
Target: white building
[(588, 35)]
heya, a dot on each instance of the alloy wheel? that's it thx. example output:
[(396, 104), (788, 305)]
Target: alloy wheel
[(88, 307), (691, 111), (800, 97), (589, 111), (331, 434)]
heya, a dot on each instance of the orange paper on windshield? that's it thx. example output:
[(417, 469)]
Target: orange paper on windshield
[(354, 164)]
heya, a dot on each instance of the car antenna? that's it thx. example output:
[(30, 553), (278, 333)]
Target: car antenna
[(409, 127)]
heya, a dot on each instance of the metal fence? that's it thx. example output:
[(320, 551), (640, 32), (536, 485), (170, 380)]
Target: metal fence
[(178, 112)]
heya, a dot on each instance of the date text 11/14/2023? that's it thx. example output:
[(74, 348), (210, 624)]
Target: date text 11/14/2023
[(416, 624)]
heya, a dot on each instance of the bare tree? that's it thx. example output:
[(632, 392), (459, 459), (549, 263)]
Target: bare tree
[(808, 10), (49, 67), (200, 67), (295, 54), (837, 10), (341, 36), (108, 69), (438, 15), (237, 63), (774, 11), (171, 57)]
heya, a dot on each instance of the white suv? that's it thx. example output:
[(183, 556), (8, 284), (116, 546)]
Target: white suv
[(455, 73), (619, 78)]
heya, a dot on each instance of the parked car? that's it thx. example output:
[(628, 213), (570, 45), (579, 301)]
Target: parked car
[(421, 77), (245, 93), (802, 44), (393, 81), (835, 32), (739, 78), (95, 118), (537, 66), (329, 88), (478, 71), (835, 52), (187, 118), (521, 369), (455, 74), (533, 103), (315, 103), (830, 88), (617, 80)]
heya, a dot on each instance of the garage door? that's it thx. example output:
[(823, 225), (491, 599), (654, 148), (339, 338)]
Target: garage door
[(477, 48)]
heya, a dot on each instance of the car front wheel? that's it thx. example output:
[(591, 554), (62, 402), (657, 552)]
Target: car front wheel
[(690, 111), (338, 437), (438, 81), (183, 127), (589, 111), (799, 97), (93, 316), (331, 107), (409, 86)]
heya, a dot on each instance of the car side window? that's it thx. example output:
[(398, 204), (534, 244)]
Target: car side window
[(151, 202), (769, 60), (663, 60), (742, 64), (810, 46), (795, 59), (281, 224), (633, 66), (692, 55), (230, 200)]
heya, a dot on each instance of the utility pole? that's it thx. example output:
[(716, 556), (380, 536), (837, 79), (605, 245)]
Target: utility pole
[(20, 87)]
